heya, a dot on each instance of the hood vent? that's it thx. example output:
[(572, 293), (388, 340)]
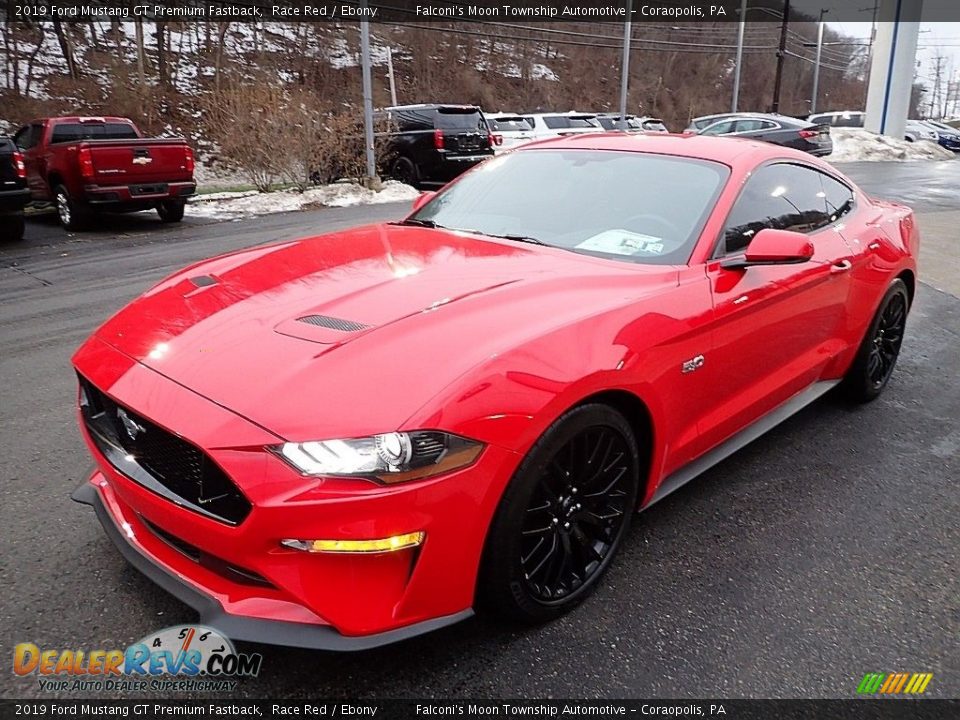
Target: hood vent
[(332, 323)]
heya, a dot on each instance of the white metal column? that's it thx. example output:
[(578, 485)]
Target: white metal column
[(892, 68)]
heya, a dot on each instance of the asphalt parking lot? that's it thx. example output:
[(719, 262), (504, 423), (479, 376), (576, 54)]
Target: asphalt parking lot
[(827, 549)]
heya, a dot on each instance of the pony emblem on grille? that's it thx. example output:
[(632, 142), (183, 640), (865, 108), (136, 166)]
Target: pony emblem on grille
[(130, 426)]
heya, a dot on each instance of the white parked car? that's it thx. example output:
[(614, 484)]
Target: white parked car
[(509, 130), (917, 130), (551, 125), (839, 118), (631, 123)]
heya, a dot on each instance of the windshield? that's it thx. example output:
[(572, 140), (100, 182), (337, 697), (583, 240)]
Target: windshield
[(629, 206), (72, 132)]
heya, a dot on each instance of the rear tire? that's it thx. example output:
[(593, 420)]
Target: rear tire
[(171, 211), (562, 517), (878, 353), (405, 170), (12, 227), (73, 214)]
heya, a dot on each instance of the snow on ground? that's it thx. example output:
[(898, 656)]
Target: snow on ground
[(236, 205), (855, 144)]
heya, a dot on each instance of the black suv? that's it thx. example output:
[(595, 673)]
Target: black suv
[(14, 193), (431, 144)]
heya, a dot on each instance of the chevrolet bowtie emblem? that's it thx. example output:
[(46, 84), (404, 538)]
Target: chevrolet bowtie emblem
[(142, 160)]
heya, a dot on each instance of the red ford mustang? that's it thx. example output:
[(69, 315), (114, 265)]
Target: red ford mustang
[(351, 439)]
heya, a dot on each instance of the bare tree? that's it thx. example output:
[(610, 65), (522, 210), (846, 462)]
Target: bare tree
[(66, 47)]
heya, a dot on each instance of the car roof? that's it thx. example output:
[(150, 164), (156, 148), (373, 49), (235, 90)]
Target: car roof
[(87, 118), (568, 113), (433, 106)]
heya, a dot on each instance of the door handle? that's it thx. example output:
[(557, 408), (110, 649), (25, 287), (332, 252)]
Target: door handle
[(841, 266)]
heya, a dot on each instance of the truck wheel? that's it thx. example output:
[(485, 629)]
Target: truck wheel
[(11, 227), (72, 215), (404, 170), (171, 211)]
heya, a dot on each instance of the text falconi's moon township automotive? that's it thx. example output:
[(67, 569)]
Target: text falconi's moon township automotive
[(613, 11)]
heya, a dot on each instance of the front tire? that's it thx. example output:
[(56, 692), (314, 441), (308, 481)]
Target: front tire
[(562, 517), (878, 353), (171, 211)]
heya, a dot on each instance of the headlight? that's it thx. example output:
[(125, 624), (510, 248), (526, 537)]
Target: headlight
[(388, 458)]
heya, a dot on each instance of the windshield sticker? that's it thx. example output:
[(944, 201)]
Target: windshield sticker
[(623, 242)]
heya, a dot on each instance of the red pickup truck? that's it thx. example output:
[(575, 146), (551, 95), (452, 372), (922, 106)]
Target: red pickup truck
[(83, 164)]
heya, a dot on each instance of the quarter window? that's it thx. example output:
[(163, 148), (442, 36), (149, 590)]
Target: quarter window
[(783, 197), (28, 137)]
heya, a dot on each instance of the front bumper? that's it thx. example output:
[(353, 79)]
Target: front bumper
[(240, 578), (212, 614)]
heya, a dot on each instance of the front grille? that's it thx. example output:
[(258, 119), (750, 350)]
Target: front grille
[(211, 562), (159, 460), (333, 323)]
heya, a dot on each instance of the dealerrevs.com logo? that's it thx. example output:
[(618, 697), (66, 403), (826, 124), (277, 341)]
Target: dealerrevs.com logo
[(178, 658)]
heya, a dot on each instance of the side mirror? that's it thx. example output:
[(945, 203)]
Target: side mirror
[(773, 247), (422, 199)]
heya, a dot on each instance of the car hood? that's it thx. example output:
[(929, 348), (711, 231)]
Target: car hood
[(354, 331)]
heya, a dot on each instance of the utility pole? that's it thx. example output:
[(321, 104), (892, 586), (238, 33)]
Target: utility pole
[(393, 84), (935, 98), (736, 72), (781, 56), (371, 179), (816, 67), (625, 73)]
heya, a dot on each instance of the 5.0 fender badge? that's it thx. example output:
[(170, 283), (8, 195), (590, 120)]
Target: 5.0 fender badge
[(692, 364)]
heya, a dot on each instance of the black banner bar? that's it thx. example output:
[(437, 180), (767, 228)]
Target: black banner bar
[(872, 709), (420, 11)]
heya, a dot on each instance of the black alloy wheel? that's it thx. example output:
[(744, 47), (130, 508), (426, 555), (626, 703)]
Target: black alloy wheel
[(885, 345), (562, 517), (875, 360), (576, 513)]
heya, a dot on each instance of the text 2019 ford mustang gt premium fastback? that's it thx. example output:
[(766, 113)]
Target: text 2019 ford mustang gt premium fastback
[(350, 439)]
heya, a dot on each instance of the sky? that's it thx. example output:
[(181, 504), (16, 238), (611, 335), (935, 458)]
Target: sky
[(935, 37)]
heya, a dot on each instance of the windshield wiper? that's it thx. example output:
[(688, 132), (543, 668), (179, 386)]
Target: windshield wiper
[(419, 222), (519, 238)]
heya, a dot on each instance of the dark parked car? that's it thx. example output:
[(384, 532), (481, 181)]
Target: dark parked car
[(14, 193), (431, 144), (777, 129), (947, 136)]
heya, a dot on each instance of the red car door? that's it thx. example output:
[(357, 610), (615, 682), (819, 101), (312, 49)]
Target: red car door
[(775, 327)]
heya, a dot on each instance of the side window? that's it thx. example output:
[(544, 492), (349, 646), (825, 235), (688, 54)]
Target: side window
[(781, 196), (838, 197), (748, 125), (556, 122), (22, 138), (721, 128), (28, 136)]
